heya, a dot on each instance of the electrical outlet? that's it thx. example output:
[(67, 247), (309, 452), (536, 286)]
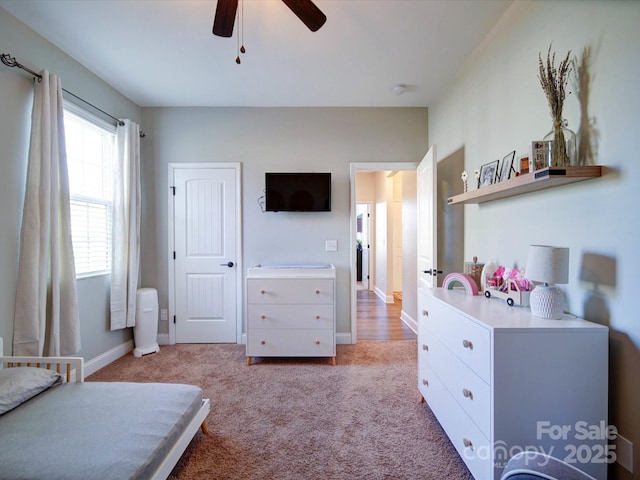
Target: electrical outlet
[(624, 452), (164, 314)]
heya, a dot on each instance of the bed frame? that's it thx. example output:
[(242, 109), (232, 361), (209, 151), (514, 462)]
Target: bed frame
[(72, 369)]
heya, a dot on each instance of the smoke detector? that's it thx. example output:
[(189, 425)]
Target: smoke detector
[(399, 89)]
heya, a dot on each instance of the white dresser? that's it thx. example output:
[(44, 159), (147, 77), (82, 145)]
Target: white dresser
[(291, 311), (500, 380)]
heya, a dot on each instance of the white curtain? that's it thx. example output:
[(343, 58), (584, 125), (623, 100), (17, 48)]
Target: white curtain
[(46, 320), (126, 226)]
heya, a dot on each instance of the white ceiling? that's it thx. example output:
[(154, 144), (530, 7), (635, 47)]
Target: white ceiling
[(162, 52)]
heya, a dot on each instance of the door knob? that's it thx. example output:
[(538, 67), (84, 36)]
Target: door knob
[(432, 272), (228, 264)]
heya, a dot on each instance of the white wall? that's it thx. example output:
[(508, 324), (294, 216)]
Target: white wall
[(409, 247), (395, 255), (16, 100), (274, 139), (383, 197), (496, 105)]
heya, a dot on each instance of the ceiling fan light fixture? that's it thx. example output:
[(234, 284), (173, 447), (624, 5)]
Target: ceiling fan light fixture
[(305, 10), (399, 89)]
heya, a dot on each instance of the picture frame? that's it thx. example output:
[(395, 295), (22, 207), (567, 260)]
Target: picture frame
[(488, 173), (507, 166)]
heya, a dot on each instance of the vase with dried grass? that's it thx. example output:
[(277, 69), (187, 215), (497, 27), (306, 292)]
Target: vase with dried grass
[(554, 81)]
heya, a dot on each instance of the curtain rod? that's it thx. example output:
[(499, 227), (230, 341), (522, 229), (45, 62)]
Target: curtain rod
[(10, 61)]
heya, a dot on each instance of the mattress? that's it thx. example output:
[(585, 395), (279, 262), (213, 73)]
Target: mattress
[(109, 430)]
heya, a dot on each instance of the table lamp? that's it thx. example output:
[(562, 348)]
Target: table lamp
[(549, 265)]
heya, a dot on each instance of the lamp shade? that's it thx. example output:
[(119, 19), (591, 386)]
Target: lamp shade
[(548, 264)]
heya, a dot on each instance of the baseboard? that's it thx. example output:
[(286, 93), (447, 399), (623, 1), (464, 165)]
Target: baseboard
[(382, 296), (163, 339), (409, 321), (343, 339), (95, 364)]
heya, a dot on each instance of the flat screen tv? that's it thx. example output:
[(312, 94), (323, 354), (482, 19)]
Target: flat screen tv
[(297, 192)]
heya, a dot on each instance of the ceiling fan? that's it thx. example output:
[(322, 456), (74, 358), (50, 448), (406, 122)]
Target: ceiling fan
[(305, 10)]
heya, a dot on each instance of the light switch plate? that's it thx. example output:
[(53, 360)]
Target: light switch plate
[(624, 452), (331, 245)]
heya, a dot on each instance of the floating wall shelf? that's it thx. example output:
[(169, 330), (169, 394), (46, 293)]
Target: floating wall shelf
[(529, 182)]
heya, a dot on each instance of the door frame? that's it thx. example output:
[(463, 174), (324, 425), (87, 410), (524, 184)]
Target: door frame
[(354, 168), (237, 167)]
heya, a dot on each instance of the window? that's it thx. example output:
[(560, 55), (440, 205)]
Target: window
[(90, 143)]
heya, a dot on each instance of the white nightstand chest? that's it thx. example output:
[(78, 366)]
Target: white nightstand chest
[(500, 380), (291, 311)]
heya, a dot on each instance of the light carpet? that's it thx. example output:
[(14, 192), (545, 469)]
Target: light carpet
[(297, 418)]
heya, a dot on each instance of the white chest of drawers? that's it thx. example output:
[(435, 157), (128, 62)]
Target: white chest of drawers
[(291, 311), (500, 381)]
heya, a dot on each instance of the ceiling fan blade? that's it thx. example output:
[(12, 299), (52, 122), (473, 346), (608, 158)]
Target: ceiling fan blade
[(306, 11), (225, 18)]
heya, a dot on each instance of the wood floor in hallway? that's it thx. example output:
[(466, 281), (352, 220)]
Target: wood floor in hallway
[(378, 320)]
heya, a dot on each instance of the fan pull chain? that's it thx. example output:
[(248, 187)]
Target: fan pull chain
[(242, 49), (240, 23)]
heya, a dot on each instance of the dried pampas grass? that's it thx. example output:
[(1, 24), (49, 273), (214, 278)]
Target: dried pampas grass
[(554, 82)]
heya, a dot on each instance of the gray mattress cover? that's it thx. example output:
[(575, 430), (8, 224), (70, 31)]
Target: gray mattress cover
[(95, 430)]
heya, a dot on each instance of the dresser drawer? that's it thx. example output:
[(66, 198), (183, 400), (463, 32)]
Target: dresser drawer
[(465, 387), (289, 316), (264, 342), (468, 340), (468, 440), (431, 388), (290, 291)]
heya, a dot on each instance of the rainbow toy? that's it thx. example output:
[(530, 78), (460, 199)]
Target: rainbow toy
[(467, 282)]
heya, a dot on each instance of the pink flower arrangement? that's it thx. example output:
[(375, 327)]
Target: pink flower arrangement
[(503, 276)]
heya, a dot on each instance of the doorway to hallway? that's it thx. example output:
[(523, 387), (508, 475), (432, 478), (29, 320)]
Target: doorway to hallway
[(380, 249), (378, 320)]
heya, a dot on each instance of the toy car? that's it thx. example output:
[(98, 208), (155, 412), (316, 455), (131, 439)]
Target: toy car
[(511, 292)]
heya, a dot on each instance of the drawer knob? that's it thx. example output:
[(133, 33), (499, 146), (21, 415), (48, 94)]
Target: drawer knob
[(263, 342), (317, 292), (262, 292), (425, 382), (467, 393), (317, 342), (467, 443), (263, 317), (425, 313), (317, 317), (467, 344), (425, 347)]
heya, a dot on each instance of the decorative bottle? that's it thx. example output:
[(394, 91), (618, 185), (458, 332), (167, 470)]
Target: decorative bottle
[(563, 148)]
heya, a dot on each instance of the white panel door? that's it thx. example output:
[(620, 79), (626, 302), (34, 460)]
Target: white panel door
[(427, 234), (205, 247)]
